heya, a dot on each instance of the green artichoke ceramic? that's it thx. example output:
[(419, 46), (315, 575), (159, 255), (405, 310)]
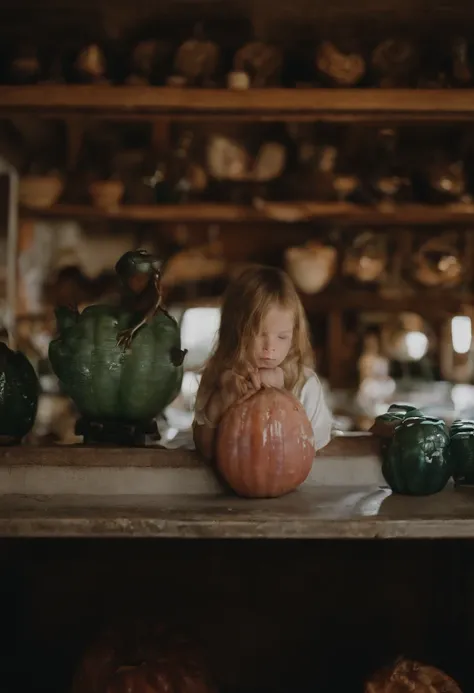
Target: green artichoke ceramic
[(385, 424), (107, 382), (404, 410), (461, 449), (461, 425), (417, 461), (136, 264), (19, 391)]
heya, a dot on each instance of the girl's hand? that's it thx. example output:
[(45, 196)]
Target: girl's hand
[(272, 377), (254, 377), (234, 385)]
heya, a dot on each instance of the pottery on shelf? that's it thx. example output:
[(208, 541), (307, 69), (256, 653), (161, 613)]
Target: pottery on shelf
[(106, 194), (311, 266), (40, 192)]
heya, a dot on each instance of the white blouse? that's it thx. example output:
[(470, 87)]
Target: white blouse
[(314, 403)]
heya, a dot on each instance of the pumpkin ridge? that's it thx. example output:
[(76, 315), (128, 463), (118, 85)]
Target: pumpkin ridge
[(247, 441), (280, 456), (260, 438)]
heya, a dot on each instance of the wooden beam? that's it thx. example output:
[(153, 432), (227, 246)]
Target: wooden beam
[(398, 104), (271, 212), (434, 303)]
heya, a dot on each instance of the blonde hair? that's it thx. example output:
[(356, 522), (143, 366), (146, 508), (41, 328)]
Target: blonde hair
[(245, 304)]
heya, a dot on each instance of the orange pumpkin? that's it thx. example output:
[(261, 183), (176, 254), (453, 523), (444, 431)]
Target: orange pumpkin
[(408, 676), (141, 660), (265, 444)]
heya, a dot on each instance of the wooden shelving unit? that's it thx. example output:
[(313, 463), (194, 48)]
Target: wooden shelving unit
[(161, 106), (332, 105), (285, 212), (73, 102), (353, 105)]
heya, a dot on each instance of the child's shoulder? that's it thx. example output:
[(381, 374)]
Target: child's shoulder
[(311, 379), (311, 388)]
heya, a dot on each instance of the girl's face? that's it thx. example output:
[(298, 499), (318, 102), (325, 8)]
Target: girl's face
[(274, 339)]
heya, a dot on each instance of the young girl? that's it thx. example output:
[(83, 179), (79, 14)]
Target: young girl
[(262, 342)]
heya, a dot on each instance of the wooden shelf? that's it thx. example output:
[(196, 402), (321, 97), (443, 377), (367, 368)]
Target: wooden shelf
[(424, 301), (331, 512), (344, 298), (361, 508), (284, 212), (345, 105), (345, 446)]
